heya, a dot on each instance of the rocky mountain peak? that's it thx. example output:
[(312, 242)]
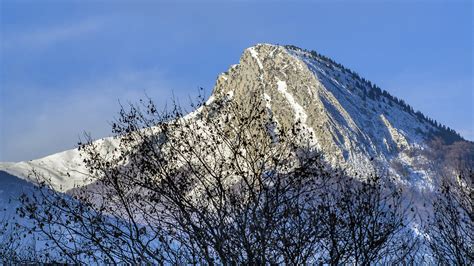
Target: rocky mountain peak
[(355, 124)]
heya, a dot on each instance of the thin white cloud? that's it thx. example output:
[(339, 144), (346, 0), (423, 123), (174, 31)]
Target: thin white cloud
[(58, 122), (46, 36)]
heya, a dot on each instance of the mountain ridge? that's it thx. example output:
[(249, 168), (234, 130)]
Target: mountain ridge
[(353, 121), (449, 135)]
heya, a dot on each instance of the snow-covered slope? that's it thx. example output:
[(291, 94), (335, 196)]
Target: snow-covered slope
[(63, 170), (354, 123)]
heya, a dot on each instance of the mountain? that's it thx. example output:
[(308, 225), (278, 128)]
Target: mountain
[(355, 124)]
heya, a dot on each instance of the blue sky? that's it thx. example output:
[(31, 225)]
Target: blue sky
[(64, 65)]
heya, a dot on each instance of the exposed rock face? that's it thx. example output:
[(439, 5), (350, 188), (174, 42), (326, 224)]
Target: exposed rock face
[(355, 124)]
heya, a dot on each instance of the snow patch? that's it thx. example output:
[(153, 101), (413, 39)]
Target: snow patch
[(396, 136), (255, 55), (300, 114)]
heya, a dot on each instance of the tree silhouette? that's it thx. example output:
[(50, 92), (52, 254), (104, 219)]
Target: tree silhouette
[(451, 228), (225, 185)]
